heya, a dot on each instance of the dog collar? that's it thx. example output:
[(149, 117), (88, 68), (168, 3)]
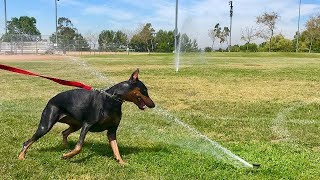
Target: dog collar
[(112, 96)]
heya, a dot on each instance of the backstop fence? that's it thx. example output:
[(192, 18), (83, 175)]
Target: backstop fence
[(46, 44), (25, 44)]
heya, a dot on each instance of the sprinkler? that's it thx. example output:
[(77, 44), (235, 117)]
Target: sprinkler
[(255, 165)]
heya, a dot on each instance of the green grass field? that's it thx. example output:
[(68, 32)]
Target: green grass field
[(263, 107)]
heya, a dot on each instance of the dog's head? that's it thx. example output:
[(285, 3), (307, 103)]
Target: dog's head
[(138, 92)]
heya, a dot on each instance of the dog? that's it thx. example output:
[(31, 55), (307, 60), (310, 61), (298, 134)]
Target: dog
[(91, 110)]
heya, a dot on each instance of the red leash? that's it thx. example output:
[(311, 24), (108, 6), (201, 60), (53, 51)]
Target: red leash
[(60, 81)]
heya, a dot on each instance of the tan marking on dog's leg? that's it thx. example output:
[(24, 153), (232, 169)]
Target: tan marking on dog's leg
[(116, 153), (73, 152), (24, 151)]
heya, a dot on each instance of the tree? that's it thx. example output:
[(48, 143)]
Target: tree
[(143, 40), (137, 44), (120, 39), (235, 48), (214, 33), (269, 20), (208, 49), (312, 31), (24, 28), (248, 34), (146, 35), (112, 40), (279, 44), (105, 39), (164, 41), (187, 45), (218, 33), (195, 47), (80, 43), (130, 33), (68, 36), (92, 38), (303, 41), (224, 35), (249, 47)]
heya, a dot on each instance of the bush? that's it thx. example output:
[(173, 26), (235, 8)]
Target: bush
[(207, 49), (249, 47), (235, 48)]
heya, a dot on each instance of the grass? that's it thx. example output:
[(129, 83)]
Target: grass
[(263, 107)]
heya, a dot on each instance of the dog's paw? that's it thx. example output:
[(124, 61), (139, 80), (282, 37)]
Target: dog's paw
[(122, 163), (21, 156), (65, 156)]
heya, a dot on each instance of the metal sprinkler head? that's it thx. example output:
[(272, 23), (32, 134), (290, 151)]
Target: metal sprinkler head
[(255, 165)]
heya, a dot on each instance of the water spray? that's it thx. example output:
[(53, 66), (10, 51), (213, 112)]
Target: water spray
[(220, 150), (176, 50)]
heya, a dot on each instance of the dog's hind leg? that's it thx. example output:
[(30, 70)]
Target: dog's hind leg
[(74, 126), (49, 117), (67, 132), (25, 147), (77, 149)]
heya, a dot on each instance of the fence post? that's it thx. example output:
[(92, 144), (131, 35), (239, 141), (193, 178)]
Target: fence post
[(36, 46)]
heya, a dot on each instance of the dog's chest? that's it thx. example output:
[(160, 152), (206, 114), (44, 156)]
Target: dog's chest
[(106, 120)]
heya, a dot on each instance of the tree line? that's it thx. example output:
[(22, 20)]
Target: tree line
[(308, 40), (145, 39)]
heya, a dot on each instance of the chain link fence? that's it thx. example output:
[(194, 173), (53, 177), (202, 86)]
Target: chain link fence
[(25, 44), (45, 44)]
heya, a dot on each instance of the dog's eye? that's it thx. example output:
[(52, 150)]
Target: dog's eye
[(144, 92)]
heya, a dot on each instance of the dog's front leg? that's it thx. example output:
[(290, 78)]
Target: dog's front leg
[(114, 146)]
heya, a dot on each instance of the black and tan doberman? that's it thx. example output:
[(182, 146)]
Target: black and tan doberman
[(91, 110)]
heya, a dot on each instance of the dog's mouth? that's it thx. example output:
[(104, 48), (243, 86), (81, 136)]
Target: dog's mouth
[(143, 103)]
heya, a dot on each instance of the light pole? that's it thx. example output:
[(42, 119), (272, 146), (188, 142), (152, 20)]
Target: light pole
[(5, 16), (56, 8), (176, 30), (298, 33), (231, 14)]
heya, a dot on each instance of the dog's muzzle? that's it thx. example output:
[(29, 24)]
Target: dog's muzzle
[(145, 102)]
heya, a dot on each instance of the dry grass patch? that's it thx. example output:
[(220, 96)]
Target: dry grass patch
[(177, 92)]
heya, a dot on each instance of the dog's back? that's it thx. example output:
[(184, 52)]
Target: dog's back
[(77, 101)]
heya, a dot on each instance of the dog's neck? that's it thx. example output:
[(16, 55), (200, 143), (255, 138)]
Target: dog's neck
[(118, 91)]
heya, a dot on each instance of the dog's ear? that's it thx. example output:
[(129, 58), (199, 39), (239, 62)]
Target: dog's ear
[(135, 76)]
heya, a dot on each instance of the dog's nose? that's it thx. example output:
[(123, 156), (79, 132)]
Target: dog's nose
[(149, 103), (152, 105)]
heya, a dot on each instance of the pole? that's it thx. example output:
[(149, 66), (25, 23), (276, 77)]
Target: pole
[(5, 16), (56, 9), (298, 33), (176, 30), (231, 14)]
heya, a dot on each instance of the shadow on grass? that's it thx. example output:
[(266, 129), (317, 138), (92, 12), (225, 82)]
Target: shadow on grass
[(103, 149)]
